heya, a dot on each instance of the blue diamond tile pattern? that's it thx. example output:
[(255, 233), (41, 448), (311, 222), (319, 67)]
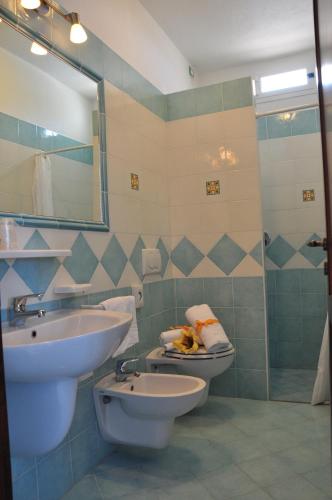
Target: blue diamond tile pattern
[(36, 242), (3, 268), (82, 263), (256, 253), (114, 260), (37, 274), (314, 255), (186, 256), (226, 254), (164, 256), (280, 251), (136, 257)]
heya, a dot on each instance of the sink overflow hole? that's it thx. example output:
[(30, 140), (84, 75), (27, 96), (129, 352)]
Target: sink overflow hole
[(131, 387), (33, 334)]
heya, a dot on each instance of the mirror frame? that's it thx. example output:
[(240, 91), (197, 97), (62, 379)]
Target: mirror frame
[(39, 221)]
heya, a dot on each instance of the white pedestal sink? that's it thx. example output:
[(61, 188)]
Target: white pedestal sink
[(43, 361)]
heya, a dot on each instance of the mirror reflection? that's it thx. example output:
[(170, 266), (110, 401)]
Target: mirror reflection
[(49, 143)]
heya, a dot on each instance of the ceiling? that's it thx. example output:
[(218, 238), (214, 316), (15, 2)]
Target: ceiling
[(216, 34)]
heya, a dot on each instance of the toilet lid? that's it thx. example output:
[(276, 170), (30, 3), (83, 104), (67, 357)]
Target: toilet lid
[(201, 354)]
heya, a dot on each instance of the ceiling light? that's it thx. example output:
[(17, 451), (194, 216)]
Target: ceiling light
[(30, 4), (38, 50), (77, 32)]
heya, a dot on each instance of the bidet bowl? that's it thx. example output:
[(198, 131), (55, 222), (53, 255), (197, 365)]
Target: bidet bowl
[(156, 395), (141, 410)]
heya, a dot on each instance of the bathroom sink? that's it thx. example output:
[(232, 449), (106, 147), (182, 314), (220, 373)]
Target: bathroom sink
[(43, 362), (64, 344)]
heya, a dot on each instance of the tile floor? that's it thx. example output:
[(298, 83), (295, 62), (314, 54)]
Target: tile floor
[(229, 449), (292, 384)]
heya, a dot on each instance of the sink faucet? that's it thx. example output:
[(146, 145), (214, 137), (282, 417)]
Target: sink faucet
[(19, 312), (121, 370)]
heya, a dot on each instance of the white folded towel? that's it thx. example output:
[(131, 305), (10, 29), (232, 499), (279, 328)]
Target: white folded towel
[(169, 336), (213, 336), (170, 347), (124, 304)]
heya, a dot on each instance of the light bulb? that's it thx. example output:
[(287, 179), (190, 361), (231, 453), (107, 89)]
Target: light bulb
[(30, 4), (38, 50), (77, 33)]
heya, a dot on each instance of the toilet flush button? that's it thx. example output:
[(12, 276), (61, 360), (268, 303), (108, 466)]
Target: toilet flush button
[(151, 261)]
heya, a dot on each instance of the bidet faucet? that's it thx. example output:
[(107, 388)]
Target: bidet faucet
[(121, 371), (19, 312)]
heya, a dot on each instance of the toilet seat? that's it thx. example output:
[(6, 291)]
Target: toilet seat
[(201, 354)]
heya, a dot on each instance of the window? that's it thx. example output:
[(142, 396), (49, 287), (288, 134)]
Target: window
[(282, 81)]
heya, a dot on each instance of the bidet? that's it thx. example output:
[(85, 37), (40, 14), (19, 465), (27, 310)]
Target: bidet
[(141, 410)]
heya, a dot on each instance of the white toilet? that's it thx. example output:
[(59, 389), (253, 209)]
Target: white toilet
[(141, 410), (200, 364)]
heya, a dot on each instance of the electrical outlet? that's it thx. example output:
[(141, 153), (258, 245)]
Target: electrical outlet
[(137, 291)]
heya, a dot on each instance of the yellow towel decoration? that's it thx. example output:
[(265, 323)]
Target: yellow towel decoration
[(189, 342), (200, 324)]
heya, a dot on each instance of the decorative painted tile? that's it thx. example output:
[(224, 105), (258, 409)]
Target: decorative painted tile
[(82, 263), (134, 182), (212, 187), (164, 256), (280, 251), (315, 255), (186, 256), (114, 260), (308, 195), (226, 254), (136, 257)]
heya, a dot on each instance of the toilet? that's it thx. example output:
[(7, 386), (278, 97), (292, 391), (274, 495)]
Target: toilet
[(199, 364), (141, 410)]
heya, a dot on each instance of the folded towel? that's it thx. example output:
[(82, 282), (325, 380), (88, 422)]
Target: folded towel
[(124, 304), (213, 335), (169, 336), (170, 347)]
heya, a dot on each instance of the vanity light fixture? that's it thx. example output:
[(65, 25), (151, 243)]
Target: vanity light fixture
[(38, 50), (30, 4), (42, 8), (77, 32)]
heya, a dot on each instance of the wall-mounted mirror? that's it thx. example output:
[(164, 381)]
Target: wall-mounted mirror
[(50, 155)]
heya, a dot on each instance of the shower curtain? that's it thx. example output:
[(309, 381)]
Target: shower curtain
[(321, 392), (42, 195)]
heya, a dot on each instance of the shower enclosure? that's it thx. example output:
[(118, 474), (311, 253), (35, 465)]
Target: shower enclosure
[(293, 216)]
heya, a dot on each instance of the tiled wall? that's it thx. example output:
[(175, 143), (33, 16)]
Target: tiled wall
[(195, 155), (297, 305), (215, 218), (239, 304), (291, 166)]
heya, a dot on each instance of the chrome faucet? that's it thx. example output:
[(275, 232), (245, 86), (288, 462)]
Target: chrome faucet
[(19, 312), (121, 370)]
